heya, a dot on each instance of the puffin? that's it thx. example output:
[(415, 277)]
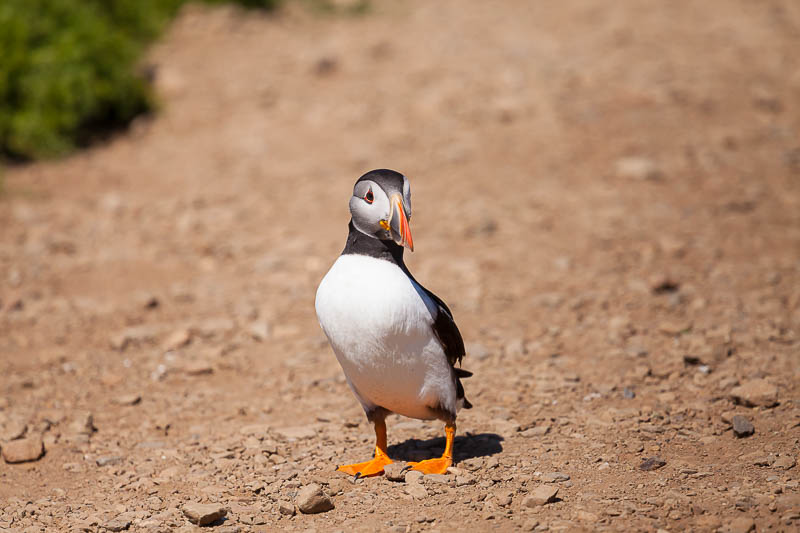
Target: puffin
[(396, 341)]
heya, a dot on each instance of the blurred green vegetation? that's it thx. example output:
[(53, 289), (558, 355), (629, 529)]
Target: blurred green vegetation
[(68, 69)]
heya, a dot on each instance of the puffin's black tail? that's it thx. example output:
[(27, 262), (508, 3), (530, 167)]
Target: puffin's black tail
[(461, 373)]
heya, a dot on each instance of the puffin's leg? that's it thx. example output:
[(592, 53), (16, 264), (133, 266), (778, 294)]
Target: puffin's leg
[(374, 466), (440, 465)]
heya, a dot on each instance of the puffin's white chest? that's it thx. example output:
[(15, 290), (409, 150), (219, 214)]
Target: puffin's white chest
[(379, 323)]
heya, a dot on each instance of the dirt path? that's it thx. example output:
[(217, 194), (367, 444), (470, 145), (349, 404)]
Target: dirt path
[(606, 194)]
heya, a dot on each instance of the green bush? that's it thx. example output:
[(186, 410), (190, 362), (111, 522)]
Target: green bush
[(68, 69)]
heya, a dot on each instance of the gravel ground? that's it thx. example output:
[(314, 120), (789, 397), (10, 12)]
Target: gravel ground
[(606, 194)]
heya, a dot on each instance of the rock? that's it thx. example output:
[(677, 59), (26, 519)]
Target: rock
[(652, 463), (742, 524), (755, 393), (637, 168), (554, 477), (674, 328), (119, 523), (311, 500), (742, 427), (83, 424), (128, 399), (785, 462), (23, 450), (15, 429), (415, 490), (202, 514), (259, 331), (530, 524), (414, 476), (503, 498), (437, 478), (758, 459), (286, 508), (133, 335), (541, 495), (108, 460), (396, 471), (198, 368), (177, 339), (296, 433), (537, 431), (464, 480)]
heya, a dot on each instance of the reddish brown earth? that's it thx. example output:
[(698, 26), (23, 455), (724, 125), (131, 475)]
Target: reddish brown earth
[(607, 194)]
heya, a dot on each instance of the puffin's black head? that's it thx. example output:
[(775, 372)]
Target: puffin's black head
[(381, 206)]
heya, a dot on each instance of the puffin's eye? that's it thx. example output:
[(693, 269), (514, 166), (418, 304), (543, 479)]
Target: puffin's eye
[(368, 197)]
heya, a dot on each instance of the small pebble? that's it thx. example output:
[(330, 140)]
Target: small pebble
[(742, 427), (652, 463), (312, 500), (202, 514)]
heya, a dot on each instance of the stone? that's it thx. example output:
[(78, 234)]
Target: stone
[(128, 399), (259, 331), (503, 498), (416, 491), (23, 450), (743, 524), (108, 460), (463, 480), (755, 393), (312, 500), (554, 477), (530, 524), (742, 427), (396, 471), (133, 335), (286, 508), (652, 463), (437, 478), (177, 339), (83, 424), (541, 495), (13, 430), (785, 462), (198, 368), (537, 431), (674, 328), (413, 476), (201, 514), (119, 523), (637, 168)]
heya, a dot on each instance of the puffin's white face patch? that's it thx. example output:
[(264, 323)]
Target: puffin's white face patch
[(366, 215)]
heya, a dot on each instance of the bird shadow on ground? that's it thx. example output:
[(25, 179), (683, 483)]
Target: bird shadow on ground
[(465, 447)]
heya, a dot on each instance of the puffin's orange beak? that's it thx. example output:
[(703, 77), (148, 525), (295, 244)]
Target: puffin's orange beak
[(398, 223)]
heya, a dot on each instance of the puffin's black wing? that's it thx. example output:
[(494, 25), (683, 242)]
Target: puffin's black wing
[(445, 329)]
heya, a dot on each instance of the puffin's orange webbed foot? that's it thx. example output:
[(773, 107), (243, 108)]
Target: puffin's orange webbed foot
[(433, 466), (372, 467), (440, 465)]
